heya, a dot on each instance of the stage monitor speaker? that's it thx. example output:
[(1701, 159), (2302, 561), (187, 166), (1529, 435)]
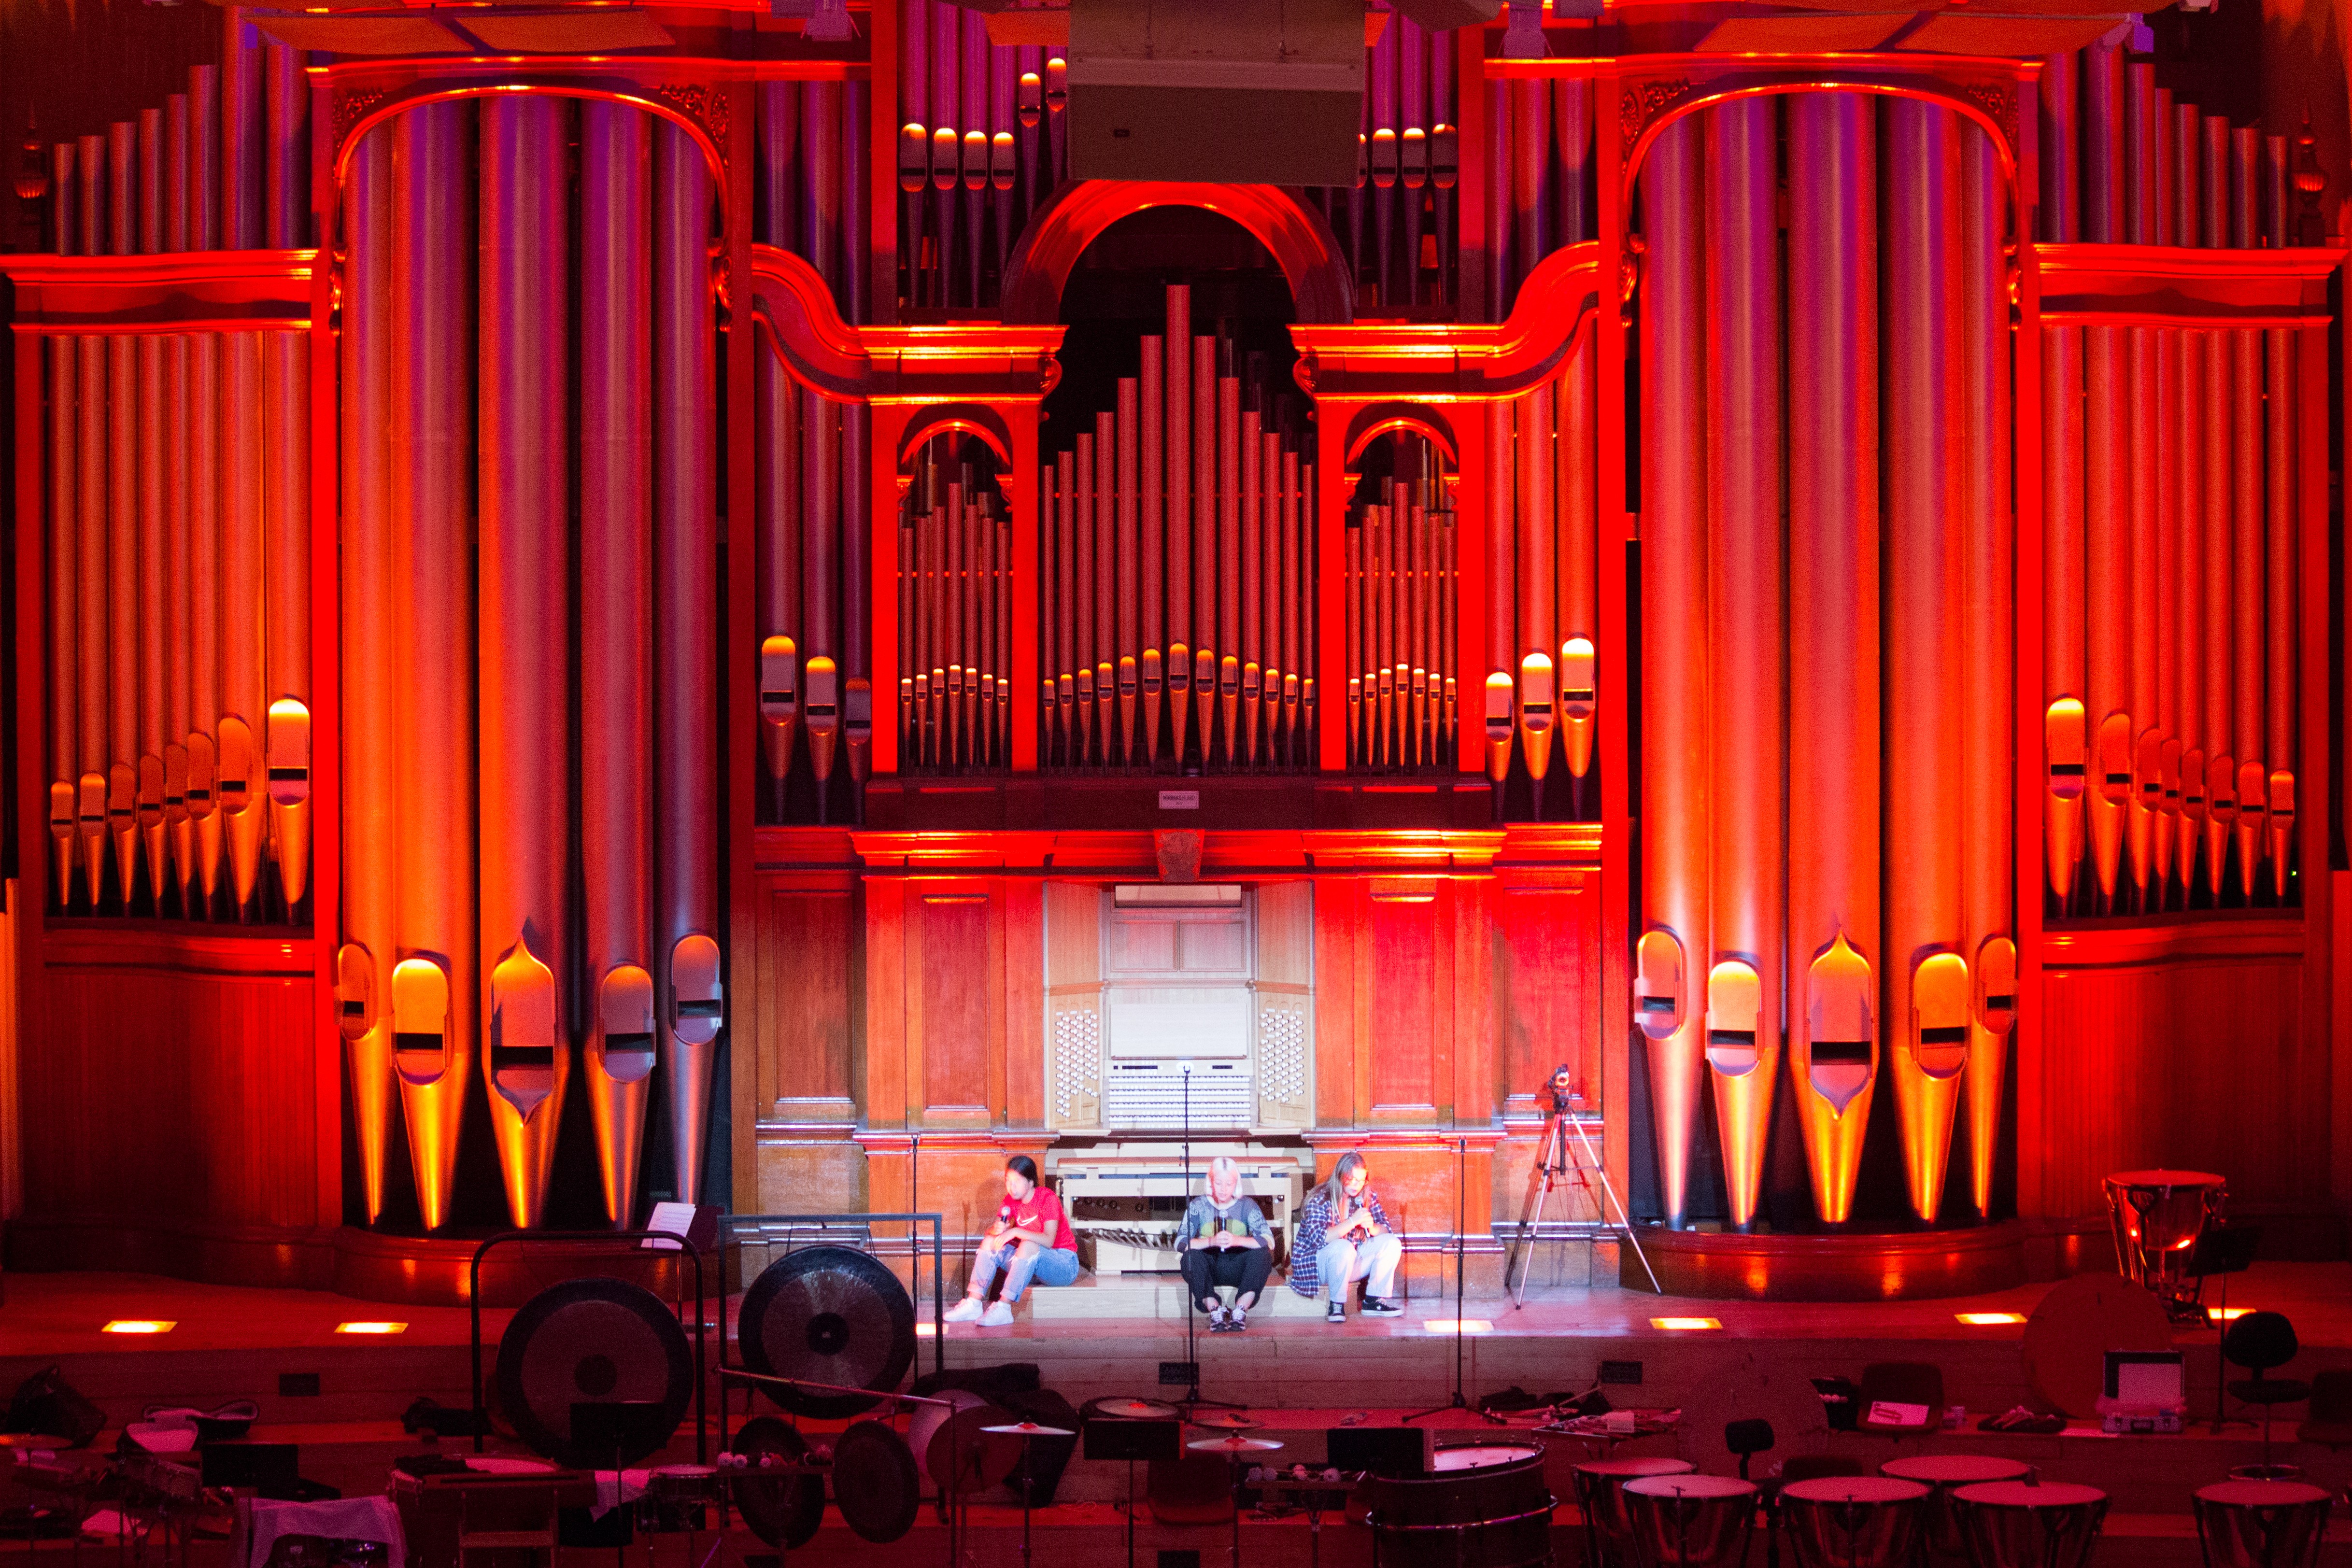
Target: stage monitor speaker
[(587, 1344), (1392, 1453), (1223, 90), (829, 1315)]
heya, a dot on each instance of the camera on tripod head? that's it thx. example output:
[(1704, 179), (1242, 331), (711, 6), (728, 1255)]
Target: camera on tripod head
[(1565, 1095)]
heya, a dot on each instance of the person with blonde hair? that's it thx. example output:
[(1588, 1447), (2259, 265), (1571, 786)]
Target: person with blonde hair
[(1343, 1236), (1225, 1242)]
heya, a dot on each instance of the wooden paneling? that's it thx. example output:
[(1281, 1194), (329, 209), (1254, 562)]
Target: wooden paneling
[(170, 1083), (957, 984), (1406, 996), (805, 953), (2195, 1059), (1547, 987), (1073, 978)]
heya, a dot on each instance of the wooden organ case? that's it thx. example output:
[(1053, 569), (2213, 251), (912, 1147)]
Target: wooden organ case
[(1791, 586)]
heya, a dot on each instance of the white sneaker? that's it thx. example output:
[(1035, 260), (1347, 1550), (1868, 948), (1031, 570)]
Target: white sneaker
[(998, 1316), (965, 1312)]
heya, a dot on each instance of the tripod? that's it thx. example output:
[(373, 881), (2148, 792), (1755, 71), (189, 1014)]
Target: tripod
[(1554, 1163), (1192, 1400)]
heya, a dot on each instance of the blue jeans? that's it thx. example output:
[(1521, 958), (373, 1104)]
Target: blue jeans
[(1022, 1261)]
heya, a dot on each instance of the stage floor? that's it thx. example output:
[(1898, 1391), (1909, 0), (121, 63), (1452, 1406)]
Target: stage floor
[(1299, 1375)]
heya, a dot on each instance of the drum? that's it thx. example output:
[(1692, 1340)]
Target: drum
[(676, 1495), (1601, 1494), (2262, 1524), (2158, 1216), (948, 1442), (1689, 1520), (1853, 1522), (1480, 1506), (2012, 1524), (1944, 1473)]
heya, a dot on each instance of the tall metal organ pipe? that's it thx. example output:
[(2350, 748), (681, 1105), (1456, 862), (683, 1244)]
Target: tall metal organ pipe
[(1743, 595), (1676, 815), (1833, 614), (435, 985), (526, 936), (616, 695), (686, 566)]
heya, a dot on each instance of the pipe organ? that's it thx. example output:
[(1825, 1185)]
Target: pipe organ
[(649, 596)]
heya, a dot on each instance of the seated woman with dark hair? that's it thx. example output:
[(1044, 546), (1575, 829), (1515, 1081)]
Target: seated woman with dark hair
[(1227, 1241), (1030, 1243)]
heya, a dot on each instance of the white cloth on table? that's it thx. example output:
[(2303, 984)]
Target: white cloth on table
[(614, 1487), (260, 1522)]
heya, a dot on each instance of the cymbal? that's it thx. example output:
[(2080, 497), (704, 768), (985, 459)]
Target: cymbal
[(1030, 1429), (1136, 1409), (1233, 1445), (1228, 1421)]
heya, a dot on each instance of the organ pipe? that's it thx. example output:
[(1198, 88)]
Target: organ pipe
[(1925, 982), (1742, 552), (525, 676), (435, 983), (371, 766), (684, 732), (1676, 810), (1985, 670), (1833, 615), (616, 691)]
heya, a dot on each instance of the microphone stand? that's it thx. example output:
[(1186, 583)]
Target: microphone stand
[(1461, 1248), (1192, 1400)]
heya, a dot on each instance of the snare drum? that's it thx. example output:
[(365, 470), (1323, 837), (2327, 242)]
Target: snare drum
[(2158, 1216), (2262, 1524), (1944, 1473), (1853, 1522), (1689, 1520), (1601, 1494), (1483, 1505), (676, 1496), (2009, 1524)]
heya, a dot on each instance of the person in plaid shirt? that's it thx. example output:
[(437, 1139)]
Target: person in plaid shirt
[(1344, 1236)]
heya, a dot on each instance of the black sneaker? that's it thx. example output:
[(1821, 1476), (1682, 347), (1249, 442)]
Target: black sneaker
[(1381, 1307), (1337, 1315)]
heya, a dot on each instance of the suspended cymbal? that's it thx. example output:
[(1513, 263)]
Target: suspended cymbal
[(1029, 1430), (1228, 1421), (1235, 1443), (1132, 1410), (830, 1314)]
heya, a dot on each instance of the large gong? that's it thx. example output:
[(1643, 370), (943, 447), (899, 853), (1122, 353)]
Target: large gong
[(829, 1315), (595, 1341)]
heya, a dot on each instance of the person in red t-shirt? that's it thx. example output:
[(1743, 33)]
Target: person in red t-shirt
[(1030, 1243)]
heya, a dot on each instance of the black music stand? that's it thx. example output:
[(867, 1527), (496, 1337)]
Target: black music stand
[(2222, 1250), (1461, 1248), (1132, 1440)]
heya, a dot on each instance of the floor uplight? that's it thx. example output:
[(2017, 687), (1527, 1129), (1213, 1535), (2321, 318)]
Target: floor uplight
[(1989, 1319), (1685, 1323), (140, 1325), (1464, 1325), (370, 1328)]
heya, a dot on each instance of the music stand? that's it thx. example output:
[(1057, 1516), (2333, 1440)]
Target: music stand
[(2224, 1251), (1132, 1440), (1461, 1248)]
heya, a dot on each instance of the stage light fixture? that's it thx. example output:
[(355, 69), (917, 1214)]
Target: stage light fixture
[(1466, 1325), (365, 1327), (927, 1330), (1989, 1319), (140, 1325), (1678, 1324), (2228, 1314)]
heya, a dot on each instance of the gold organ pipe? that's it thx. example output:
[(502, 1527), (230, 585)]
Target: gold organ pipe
[(1229, 549), (1579, 561), (2247, 569), (1676, 814), (1742, 593), (1250, 572), (1152, 565), (1833, 614), (1207, 645), (2165, 800), (1178, 470), (1536, 648), (2066, 746), (2143, 600), (2216, 425), (1127, 418), (2189, 608), (2108, 542), (1105, 490), (66, 679), (205, 604)]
